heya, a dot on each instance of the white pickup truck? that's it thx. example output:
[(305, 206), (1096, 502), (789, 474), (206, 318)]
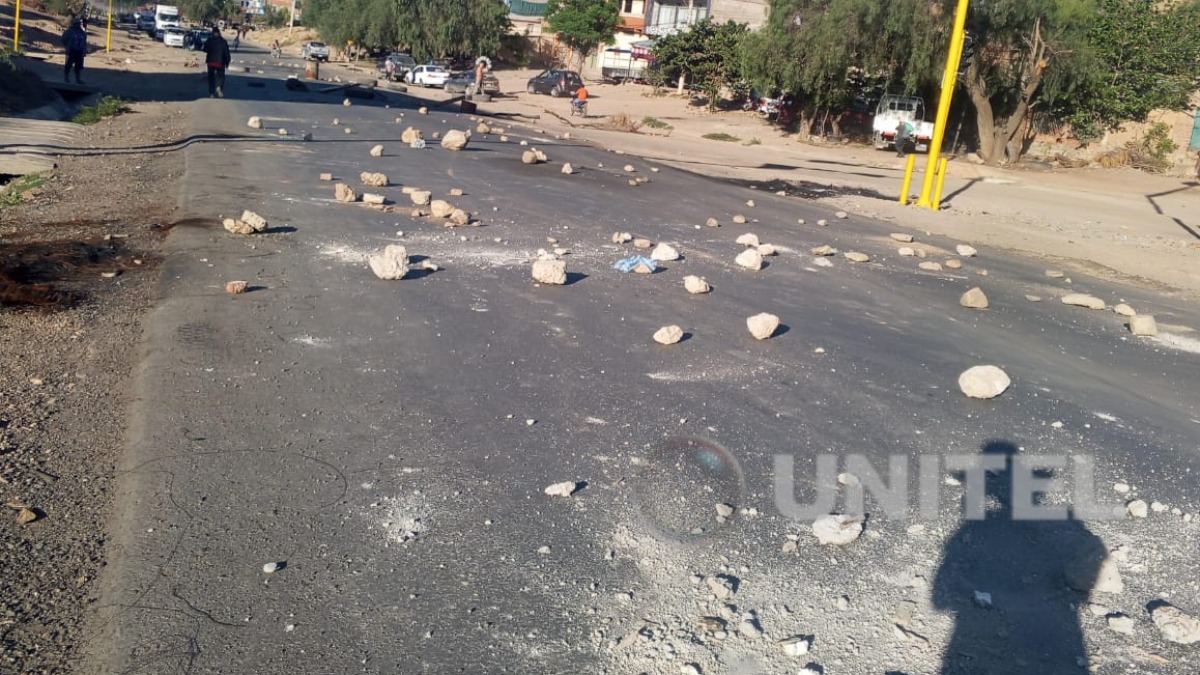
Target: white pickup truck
[(893, 110)]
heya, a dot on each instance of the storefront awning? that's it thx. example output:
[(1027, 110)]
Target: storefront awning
[(641, 50)]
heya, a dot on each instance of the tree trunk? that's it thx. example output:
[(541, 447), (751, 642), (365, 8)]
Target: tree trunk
[(997, 134), (682, 80)]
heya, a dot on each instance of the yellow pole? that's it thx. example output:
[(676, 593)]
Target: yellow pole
[(941, 180), (17, 29), (908, 172), (108, 35), (949, 76)]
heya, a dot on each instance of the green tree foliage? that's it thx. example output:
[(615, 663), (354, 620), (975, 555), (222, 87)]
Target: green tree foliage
[(1141, 55), (707, 54), (583, 24), (431, 28), (209, 10)]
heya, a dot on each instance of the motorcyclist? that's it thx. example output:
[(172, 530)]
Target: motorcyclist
[(579, 99)]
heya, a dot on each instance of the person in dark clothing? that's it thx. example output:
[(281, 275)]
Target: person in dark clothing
[(216, 55), (75, 42)]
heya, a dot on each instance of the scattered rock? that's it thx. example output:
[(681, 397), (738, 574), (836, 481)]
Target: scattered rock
[(272, 567), (848, 479), (1121, 488), (901, 237), (255, 123), (26, 515), (370, 198), (842, 214), (249, 223), (1033, 298), (723, 510), (1124, 310), (237, 227), (621, 237), (411, 134), (824, 250), (1143, 324), (837, 529), (567, 169), (1175, 625), (690, 669), (762, 326), (983, 599), (346, 102), (1083, 300), (797, 645), (563, 489), (822, 223), (664, 253), (440, 208), (1054, 274), (906, 251), (459, 217), (344, 193), (420, 197), (983, 382), (696, 285), (326, 176), (529, 157), (954, 263), (750, 203), (235, 287), (965, 251), (749, 628), (283, 132), (483, 128), (553, 272), (748, 239), (390, 265), (377, 151), (1094, 570), (712, 222), (455, 140), (668, 335), (423, 110), (751, 259), (642, 242), (739, 219), (1120, 623), (722, 586), (930, 266), (855, 256), (974, 299), (1137, 508), (373, 179)]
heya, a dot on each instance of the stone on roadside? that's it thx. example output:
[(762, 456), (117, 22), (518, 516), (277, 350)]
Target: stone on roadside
[(762, 326), (483, 128), (567, 168), (370, 198), (766, 250), (751, 259), (255, 221), (837, 529), (842, 214), (664, 253), (668, 335), (622, 237), (824, 250), (325, 176), (440, 208), (377, 151), (1055, 274), (423, 110), (1083, 300), (748, 239), (459, 217), (236, 226), (797, 645), (255, 123), (983, 382), (930, 266), (235, 287), (1094, 570), (822, 223), (410, 134), (1143, 324), (529, 157), (750, 203), (26, 515), (563, 489), (346, 102), (642, 242), (696, 285), (283, 132), (722, 586), (1120, 623), (1033, 298), (420, 197), (1175, 625), (739, 219), (723, 510), (974, 299), (391, 264), (902, 237), (455, 140), (855, 256), (553, 272), (1124, 310), (965, 250), (373, 179), (906, 251), (344, 193), (712, 222), (954, 263), (1137, 508)]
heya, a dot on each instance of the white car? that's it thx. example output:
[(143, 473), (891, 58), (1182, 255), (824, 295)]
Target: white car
[(430, 76), (173, 37)]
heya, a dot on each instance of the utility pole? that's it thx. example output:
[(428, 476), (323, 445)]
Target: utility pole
[(17, 29), (292, 19), (949, 78)]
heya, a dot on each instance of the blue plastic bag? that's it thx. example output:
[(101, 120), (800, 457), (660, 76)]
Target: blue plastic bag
[(627, 264)]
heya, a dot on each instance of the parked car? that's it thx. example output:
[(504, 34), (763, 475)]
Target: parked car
[(145, 22), (464, 82), (314, 51), (196, 38), (401, 65), (555, 82), (430, 76), (173, 37)]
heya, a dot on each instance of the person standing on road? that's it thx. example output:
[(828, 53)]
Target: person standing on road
[(904, 137), (75, 42), (237, 40), (216, 55)]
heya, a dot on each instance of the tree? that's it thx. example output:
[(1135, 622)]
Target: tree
[(210, 10), (707, 53), (583, 24), (430, 28)]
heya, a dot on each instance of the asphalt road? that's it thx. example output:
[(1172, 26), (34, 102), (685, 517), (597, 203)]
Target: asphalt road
[(390, 441)]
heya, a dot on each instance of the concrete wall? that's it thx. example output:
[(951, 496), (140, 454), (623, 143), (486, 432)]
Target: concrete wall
[(753, 12)]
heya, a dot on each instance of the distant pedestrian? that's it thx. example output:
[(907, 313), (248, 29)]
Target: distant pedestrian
[(74, 39), (237, 41), (216, 55), (905, 142)]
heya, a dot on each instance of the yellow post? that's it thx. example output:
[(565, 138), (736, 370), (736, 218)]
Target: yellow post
[(17, 29), (108, 35), (941, 180), (908, 171), (949, 76)]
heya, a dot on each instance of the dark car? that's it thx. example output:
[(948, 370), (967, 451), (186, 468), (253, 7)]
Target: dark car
[(464, 82), (555, 82), (196, 38)]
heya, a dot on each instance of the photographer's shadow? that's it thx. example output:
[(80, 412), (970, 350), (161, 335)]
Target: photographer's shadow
[(1038, 574)]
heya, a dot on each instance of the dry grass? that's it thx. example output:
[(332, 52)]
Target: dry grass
[(622, 122)]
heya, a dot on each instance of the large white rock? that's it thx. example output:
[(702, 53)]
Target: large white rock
[(664, 252), (668, 335), (391, 264), (856, 256), (837, 530), (748, 239), (1083, 300), (1094, 570), (751, 259), (377, 151), (965, 251), (440, 208), (983, 381), (255, 123), (455, 140), (974, 299), (1175, 624), (1143, 324), (696, 285), (563, 489), (552, 272), (762, 326), (373, 179)]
